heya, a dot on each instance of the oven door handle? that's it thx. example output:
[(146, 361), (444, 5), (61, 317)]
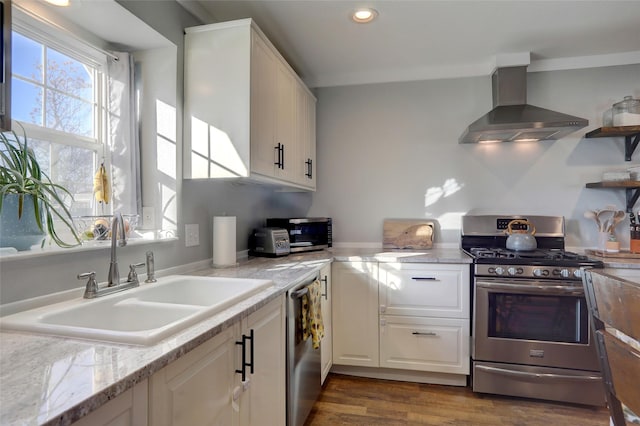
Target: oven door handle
[(533, 289), (537, 376)]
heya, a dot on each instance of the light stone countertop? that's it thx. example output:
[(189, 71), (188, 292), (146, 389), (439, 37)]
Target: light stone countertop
[(51, 380)]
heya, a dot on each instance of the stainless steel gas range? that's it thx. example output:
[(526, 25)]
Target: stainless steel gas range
[(531, 334)]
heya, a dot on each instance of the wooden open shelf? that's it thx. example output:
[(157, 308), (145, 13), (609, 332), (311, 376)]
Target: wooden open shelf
[(632, 188), (631, 137)]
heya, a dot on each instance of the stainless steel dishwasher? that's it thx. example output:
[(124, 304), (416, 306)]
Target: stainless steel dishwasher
[(303, 362)]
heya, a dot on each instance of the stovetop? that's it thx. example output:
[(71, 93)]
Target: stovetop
[(484, 239), (551, 257)]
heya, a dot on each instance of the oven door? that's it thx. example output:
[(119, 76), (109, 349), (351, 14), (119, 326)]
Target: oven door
[(533, 322)]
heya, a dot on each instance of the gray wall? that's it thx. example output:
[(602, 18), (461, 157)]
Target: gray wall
[(391, 151)]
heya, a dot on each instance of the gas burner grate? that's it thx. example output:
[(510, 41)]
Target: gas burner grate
[(539, 254)]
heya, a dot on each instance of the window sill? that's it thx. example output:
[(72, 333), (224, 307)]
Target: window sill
[(142, 238)]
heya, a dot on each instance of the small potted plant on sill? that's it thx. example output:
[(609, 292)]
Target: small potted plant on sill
[(29, 201)]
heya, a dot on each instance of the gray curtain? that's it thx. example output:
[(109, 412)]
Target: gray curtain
[(123, 137)]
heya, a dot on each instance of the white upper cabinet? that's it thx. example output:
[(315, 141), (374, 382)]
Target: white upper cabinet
[(306, 128), (247, 114)]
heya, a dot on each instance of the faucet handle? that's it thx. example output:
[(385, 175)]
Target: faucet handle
[(92, 286), (133, 275)]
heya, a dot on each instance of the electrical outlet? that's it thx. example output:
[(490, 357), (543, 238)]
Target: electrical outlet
[(191, 235), (148, 218)]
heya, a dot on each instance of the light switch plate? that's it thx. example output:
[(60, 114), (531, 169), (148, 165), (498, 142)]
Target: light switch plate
[(148, 218), (191, 235)]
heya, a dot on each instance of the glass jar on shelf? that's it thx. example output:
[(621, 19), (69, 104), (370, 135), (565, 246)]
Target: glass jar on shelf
[(626, 112)]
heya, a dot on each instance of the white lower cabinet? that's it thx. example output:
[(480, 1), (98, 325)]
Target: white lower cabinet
[(355, 313), (264, 401), (204, 388), (427, 344), (425, 317), (326, 345), (403, 316), (197, 388), (127, 409), (419, 289)]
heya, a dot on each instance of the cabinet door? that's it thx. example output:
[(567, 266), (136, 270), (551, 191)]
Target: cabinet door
[(427, 344), (265, 399), (436, 290), (196, 389), (263, 112), (286, 124), (355, 313), (128, 409), (306, 137), (326, 345)]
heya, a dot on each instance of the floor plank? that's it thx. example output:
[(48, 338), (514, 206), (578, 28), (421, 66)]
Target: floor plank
[(347, 400)]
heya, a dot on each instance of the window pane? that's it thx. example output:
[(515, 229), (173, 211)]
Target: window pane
[(71, 167), (68, 75), (26, 102), (69, 114), (26, 57)]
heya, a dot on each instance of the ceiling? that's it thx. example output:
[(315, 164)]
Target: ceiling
[(428, 39), (106, 19)]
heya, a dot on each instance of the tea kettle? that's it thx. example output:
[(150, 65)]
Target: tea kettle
[(521, 240)]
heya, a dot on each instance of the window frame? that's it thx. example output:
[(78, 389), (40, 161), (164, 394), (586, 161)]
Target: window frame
[(61, 40)]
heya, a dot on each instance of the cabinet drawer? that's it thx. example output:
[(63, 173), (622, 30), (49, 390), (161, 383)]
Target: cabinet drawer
[(426, 344), (435, 290)]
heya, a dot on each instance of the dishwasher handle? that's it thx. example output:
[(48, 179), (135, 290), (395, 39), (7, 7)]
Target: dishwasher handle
[(299, 293), (302, 289)]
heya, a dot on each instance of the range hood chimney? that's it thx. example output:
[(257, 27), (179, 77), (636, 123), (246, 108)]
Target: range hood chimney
[(512, 120)]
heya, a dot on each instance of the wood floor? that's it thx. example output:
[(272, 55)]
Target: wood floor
[(347, 400)]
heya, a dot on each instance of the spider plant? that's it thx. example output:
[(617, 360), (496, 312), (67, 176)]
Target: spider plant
[(21, 174)]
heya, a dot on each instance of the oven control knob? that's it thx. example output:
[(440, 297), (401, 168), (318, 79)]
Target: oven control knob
[(499, 270), (540, 272), (577, 273), (564, 273), (514, 271)]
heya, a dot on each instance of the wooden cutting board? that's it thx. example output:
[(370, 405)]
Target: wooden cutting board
[(408, 234)]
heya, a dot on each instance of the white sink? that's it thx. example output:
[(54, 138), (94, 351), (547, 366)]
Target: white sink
[(141, 316)]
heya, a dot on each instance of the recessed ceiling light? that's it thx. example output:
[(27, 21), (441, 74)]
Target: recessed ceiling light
[(62, 3), (362, 16)]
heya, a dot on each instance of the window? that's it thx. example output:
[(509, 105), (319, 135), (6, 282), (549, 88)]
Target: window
[(58, 96)]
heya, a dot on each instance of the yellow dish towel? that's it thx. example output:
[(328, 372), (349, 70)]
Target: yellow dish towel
[(312, 324)]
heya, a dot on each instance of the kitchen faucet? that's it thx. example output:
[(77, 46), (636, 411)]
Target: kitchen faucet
[(113, 284), (116, 225)]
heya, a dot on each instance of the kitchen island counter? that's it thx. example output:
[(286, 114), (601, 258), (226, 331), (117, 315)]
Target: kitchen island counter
[(47, 380)]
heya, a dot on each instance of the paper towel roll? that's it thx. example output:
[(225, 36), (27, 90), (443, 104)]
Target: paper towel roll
[(224, 241)]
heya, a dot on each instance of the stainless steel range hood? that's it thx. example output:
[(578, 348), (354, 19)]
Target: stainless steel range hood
[(512, 120)]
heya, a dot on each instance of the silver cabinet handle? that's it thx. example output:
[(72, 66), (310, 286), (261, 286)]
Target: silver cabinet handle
[(532, 288), (425, 279), (537, 376), (424, 333), (325, 280)]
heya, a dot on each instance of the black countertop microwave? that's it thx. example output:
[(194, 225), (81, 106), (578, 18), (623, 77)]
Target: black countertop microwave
[(305, 234)]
